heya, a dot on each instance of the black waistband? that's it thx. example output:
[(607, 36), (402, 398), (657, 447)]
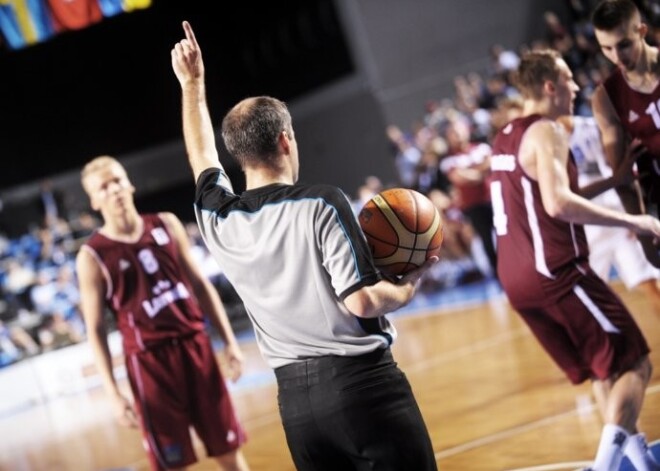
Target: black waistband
[(322, 364)]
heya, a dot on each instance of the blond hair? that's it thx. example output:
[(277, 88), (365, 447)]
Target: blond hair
[(98, 163)]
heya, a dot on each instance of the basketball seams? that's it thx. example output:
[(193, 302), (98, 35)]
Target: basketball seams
[(402, 229), (399, 228)]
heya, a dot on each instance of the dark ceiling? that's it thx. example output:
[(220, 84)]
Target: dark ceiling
[(109, 89)]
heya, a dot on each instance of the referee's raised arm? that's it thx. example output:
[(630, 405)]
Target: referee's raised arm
[(197, 126)]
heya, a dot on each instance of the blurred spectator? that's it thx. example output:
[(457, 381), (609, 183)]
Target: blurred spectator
[(502, 60), (56, 332), (456, 264), (51, 203), (506, 111), (370, 188), (18, 281), (406, 155), (557, 35), (84, 225), (467, 166), (58, 297), (15, 344)]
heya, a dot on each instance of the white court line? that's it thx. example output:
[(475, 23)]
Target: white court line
[(653, 389), (269, 419), (569, 465), (453, 355)]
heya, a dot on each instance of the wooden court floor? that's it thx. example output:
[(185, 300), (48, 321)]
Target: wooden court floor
[(491, 398)]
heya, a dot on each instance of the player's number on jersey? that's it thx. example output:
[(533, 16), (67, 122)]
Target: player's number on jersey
[(500, 219), (655, 114), (149, 262)]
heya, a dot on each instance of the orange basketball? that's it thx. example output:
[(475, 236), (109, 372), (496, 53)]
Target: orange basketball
[(403, 229)]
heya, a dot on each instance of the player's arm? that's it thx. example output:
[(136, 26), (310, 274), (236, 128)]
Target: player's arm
[(622, 177), (595, 188), (460, 176), (91, 286), (206, 295), (386, 296), (614, 142), (545, 151), (198, 131)]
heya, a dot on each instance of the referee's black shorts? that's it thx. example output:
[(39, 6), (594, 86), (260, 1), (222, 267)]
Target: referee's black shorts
[(352, 413)]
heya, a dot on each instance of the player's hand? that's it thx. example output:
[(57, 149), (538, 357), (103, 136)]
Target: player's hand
[(124, 412), (234, 362), (648, 225), (187, 57), (624, 174)]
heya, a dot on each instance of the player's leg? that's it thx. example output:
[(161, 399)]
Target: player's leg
[(636, 447), (232, 461), (165, 423), (624, 404), (637, 274), (611, 343), (212, 412), (601, 391)]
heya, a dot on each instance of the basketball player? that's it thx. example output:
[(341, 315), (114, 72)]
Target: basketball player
[(300, 263), (543, 258), (627, 105), (141, 268), (609, 247)]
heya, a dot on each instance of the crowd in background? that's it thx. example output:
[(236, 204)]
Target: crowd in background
[(445, 155)]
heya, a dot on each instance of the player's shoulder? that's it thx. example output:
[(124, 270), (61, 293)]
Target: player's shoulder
[(600, 92), (166, 217), (545, 127), (543, 134), (87, 259), (94, 240)]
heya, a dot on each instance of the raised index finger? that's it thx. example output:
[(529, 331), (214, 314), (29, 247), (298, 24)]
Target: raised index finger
[(190, 35)]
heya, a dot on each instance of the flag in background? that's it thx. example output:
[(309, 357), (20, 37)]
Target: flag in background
[(27, 22)]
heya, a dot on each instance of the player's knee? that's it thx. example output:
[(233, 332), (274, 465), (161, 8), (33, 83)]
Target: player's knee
[(232, 461), (645, 369)]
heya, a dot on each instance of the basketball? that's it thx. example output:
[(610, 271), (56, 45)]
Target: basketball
[(403, 228)]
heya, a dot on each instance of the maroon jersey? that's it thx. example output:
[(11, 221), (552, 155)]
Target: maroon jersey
[(145, 286), (468, 194), (540, 258), (639, 114)]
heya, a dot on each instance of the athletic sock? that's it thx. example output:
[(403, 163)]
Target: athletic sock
[(639, 455), (610, 450)]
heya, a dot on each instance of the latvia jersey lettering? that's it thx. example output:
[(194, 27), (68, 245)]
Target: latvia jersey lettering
[(539, 257), (145, 286), (639, 114)]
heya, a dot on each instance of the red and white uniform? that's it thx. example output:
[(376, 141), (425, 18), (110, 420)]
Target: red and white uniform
[(170, 361), (543, 267), (639, 114)]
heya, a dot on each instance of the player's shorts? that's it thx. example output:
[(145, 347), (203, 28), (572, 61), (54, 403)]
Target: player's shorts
[(619, 248), (177, 385), (588, 332)]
